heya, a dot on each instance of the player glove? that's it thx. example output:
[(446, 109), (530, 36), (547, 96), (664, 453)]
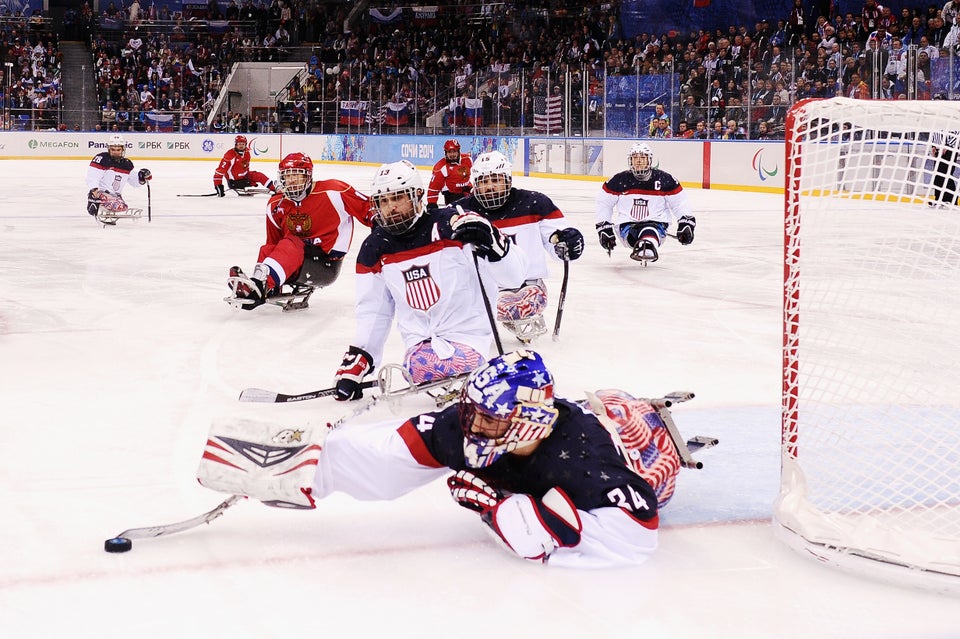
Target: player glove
[(568, 243), (356, 365), (144, 175), (221, 192), (432, 206), (473, 228), (685, 226), (472, 492), (607, 238)]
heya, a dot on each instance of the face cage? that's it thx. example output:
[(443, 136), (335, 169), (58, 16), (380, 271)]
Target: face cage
[(641, 174), (525, 423), (493, 199), (295, 193), (398, 225)]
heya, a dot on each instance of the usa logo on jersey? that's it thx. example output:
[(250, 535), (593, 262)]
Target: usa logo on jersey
[(639, 209), (422, 289)]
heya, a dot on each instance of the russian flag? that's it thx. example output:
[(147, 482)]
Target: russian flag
[(159, 121), (353, 112), (473, 110), (397, 114)]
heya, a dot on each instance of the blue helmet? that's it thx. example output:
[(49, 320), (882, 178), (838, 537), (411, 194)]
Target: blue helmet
[(505, 403)]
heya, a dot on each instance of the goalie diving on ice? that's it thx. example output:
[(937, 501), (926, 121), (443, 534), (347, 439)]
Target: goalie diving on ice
[(575, 484)]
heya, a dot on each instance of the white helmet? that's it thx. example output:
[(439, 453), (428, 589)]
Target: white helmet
[(642, 166), (490, 192), (392, 181), (117, 140)]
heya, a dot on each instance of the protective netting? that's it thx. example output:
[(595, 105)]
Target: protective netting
[(871, 407)]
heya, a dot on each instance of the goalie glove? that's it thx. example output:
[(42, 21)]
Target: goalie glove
[(473, 228), (144, 175), (534, 528), (608, 240), (685, 227), (472, 492), (568, 243), (356, 365), (221, 192)]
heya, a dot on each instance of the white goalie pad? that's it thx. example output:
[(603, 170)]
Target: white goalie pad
[(271, 463)]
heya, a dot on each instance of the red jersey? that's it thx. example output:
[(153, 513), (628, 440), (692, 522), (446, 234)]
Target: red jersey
[(453, 177), (324, 219), (233, 166)]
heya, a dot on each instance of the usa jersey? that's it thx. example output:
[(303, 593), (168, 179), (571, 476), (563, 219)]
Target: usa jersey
[(428, 281), (617, 508), (111, 174), (529, 219), (626, 198), (324, 219)]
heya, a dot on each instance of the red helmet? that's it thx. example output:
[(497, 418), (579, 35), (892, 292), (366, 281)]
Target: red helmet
[(297, 161), (451, 145), (239, 139)]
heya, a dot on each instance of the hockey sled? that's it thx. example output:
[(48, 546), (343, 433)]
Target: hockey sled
[(526, 330), (109, 217), (252, 190), (291, 298)]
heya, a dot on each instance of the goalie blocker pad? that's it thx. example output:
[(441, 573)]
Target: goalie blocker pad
[(270, 463)]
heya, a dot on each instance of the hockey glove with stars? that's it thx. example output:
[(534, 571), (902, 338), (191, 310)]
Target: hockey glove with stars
[(356, 365), (607, 238), (532, 528), (568, 243), (221, 192), (144, 175), (685, 227), (473, 228)]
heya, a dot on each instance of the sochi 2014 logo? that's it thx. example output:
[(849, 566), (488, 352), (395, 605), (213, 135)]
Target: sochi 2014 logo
[(207, 145), (763, 172)]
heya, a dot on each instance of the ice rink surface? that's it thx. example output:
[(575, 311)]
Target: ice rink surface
[(117, 351)]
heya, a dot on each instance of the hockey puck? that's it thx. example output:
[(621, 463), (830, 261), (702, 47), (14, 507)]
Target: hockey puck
[(117, 544)]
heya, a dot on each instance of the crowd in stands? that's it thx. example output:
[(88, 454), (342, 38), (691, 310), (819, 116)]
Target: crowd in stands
[(736, 82), (30, 64)]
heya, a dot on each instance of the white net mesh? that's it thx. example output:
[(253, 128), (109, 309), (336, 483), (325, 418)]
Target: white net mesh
[(871, 410)]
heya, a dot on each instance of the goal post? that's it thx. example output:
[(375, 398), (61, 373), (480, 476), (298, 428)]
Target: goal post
[(870, 455)]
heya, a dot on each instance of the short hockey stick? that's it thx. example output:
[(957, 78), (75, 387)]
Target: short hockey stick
[(563, 294), (196, 194), (149, 207), (486, 305), (261, 395), (169, 529)]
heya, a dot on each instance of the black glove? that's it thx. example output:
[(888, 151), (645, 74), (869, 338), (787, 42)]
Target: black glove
[(432, 206), (473, 228), (568, 243), (356, 365), (143, 175), (607, 238), (472, 492), (685, 226), (256, 294), (221, 192)]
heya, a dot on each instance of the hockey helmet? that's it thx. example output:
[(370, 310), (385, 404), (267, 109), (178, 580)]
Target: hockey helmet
[(492, 177), (640, 161), (240, 139), (295, 176), (397, 196), (451, 150), (505, 404), (116, 141)]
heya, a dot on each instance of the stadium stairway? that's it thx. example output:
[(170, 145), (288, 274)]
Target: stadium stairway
[(79, 88)]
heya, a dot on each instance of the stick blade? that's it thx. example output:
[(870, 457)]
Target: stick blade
[(258, 395)]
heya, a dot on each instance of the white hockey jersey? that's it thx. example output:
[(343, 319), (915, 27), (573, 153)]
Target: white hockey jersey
[(626, 198)]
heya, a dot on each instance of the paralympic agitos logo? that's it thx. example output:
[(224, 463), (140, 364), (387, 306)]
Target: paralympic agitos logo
[(763, 172)]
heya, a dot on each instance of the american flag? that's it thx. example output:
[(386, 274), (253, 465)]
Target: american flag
[(548, 113), (377, 116)]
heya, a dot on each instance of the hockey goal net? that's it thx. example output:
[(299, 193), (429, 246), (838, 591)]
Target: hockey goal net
[(870, 477)]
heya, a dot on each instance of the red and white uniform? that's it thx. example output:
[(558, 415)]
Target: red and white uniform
[(450, 176), (324, 219), (236, 166), (111, 174)]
